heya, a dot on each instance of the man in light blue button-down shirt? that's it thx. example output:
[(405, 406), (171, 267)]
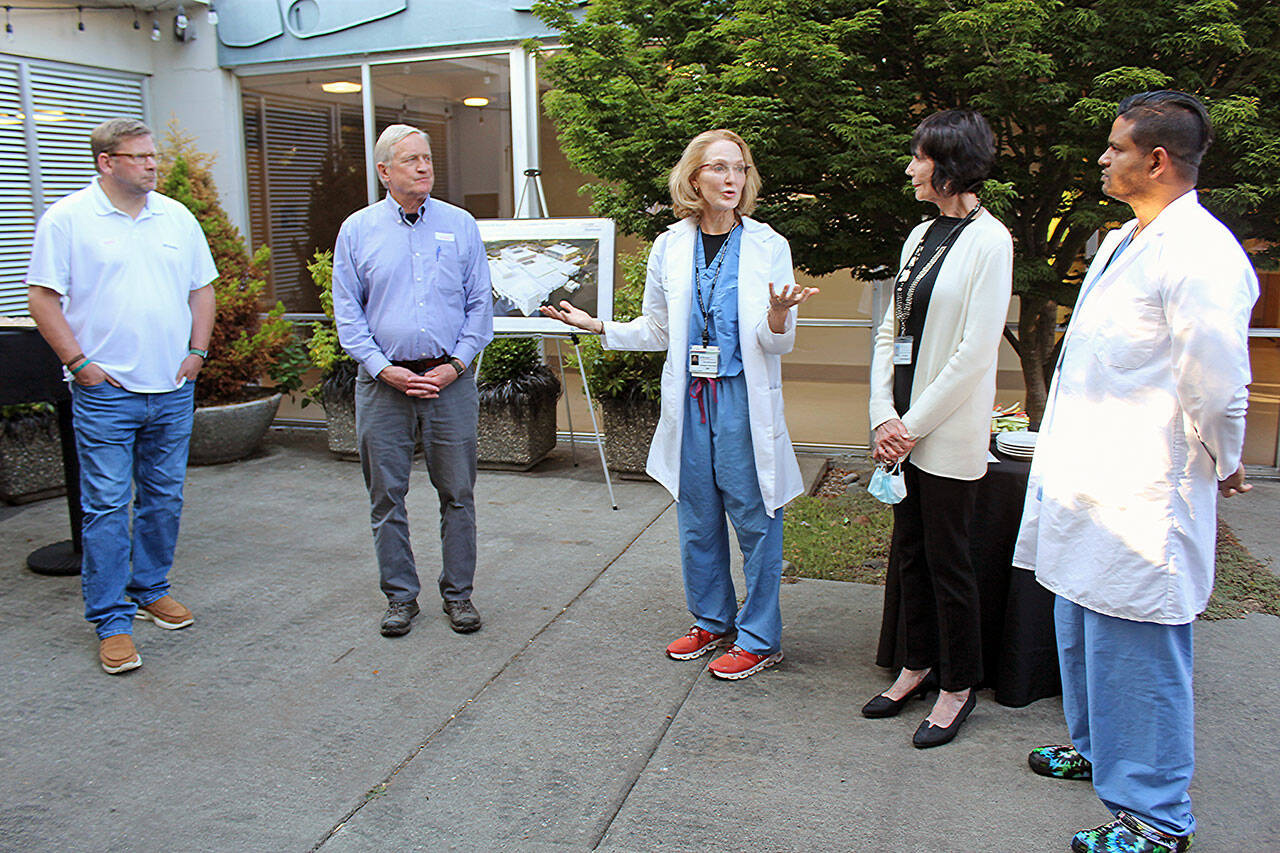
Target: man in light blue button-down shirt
[(413, 305)]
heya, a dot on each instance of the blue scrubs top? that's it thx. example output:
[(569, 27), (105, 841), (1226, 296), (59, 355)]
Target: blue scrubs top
[(723, 308)]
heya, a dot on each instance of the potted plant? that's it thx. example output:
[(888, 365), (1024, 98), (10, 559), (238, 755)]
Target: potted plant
[(233, 408), (30, 453), (337, 388), (627, 384), (518, 393)]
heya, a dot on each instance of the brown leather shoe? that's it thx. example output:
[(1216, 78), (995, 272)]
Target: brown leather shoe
[(118, 655), (167, 612)]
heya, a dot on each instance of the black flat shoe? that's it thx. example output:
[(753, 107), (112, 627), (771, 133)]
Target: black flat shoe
[(882, 706), (930, 735)]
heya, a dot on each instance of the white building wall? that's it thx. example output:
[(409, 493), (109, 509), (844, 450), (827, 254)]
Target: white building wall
[(184, 80)]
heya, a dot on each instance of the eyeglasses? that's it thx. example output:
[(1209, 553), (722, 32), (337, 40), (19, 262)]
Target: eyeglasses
[(150, 156), (722, 169)]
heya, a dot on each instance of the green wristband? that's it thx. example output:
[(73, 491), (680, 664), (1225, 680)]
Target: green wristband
[(203, 353), (83, 365)]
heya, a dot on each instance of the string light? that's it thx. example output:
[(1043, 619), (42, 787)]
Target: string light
[(181, 22)]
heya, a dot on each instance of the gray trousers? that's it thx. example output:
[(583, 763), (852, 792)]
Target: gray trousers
[(389, 425)]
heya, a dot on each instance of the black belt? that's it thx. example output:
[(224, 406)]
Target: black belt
[(422, 365)]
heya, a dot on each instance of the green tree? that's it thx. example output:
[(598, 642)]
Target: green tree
[(827, 93)]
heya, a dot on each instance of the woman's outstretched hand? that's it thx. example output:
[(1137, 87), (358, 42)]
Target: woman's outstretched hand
[(782, 301), (571, 315)]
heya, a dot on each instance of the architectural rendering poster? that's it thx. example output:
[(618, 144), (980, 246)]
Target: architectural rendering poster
[(535, 261)]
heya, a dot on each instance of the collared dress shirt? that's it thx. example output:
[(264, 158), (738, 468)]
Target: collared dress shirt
[(124, 282), (1146, 414), (405, 290)]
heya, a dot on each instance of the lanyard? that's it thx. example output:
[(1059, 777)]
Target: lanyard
[(902, 302), (717, 262)]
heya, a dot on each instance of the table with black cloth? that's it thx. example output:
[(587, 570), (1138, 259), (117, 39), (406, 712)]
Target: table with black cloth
[(1019, 649), (32, 374)]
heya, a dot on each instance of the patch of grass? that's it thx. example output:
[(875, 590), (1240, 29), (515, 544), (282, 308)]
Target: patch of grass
[(845, 537), (1243, 584), (842, 537)]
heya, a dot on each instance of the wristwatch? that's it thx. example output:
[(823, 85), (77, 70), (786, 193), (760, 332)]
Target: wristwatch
[(457, 365)]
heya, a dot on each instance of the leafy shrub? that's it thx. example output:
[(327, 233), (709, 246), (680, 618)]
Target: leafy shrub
[(21, 420), (629, 376), (512, 374), (323, 348), (244, 346)]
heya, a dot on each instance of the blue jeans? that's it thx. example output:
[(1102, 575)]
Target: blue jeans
[(133, 456), (718, 476), (1126, 694)]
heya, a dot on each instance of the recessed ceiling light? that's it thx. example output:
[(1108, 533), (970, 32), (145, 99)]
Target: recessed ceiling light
[(341, 87), (476, 102)]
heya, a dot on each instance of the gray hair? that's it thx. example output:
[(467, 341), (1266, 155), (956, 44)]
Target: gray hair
[(393, 136), (105, 138)]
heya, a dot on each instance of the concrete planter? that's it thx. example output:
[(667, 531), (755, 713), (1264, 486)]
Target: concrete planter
[(31, 459), (517, 424), (628, 431), (516, 437), (340, 418), (232, 431)]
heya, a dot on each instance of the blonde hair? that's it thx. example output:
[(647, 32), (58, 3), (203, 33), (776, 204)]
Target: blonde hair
[(685, 197)]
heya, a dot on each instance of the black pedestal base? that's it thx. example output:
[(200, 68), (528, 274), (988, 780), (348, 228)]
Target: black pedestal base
[(60, 558)]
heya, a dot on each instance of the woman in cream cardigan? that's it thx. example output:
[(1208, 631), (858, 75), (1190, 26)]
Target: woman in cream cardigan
[(933, 385), (720, 298)]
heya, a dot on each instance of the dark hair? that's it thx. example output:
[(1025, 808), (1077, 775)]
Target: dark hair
[(962, 147), (1172, 120)]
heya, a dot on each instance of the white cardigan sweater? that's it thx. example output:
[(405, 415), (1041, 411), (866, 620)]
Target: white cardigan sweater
[(955, 378)]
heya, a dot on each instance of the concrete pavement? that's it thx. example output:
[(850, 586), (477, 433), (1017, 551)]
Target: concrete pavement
[(282, 721)]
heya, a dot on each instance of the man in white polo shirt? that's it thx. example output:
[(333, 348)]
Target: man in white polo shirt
[(121, 286)]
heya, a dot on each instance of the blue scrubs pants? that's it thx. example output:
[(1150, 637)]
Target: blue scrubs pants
[(718, 476), (1126, 694)]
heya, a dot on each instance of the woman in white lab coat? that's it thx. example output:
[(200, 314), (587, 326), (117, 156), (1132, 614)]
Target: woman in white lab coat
[(933, 385), (720, 297)]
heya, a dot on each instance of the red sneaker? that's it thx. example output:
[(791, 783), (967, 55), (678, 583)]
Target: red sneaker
[(693, 644), (738, 663)]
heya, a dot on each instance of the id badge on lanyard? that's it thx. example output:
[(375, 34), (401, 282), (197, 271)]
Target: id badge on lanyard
[(902, 350), (704, 361)]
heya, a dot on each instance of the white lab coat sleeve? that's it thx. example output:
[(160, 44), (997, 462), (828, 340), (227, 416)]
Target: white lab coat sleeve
[(992, 283), (649, 330), (1208, 320), (781, 274)]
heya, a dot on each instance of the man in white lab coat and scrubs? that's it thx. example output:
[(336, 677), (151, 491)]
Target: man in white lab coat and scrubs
[(1143, 428)]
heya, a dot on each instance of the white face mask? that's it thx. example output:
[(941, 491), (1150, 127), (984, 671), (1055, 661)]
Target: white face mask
[(887, 483)]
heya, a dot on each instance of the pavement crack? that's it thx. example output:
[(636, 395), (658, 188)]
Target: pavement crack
[(381, 787), (643, 764)]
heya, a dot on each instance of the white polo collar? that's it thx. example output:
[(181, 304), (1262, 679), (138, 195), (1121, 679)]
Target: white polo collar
[(103, 207)]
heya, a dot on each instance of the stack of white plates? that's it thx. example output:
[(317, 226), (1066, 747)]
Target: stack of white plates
[(1020, 445)]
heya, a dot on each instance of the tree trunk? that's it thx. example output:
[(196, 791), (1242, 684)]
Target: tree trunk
[(1036, 330)]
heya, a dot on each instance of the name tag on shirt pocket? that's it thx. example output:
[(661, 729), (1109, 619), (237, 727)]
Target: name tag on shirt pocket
[(445, 236)]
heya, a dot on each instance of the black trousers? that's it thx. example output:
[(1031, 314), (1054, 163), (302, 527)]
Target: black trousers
[(936, 594)]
